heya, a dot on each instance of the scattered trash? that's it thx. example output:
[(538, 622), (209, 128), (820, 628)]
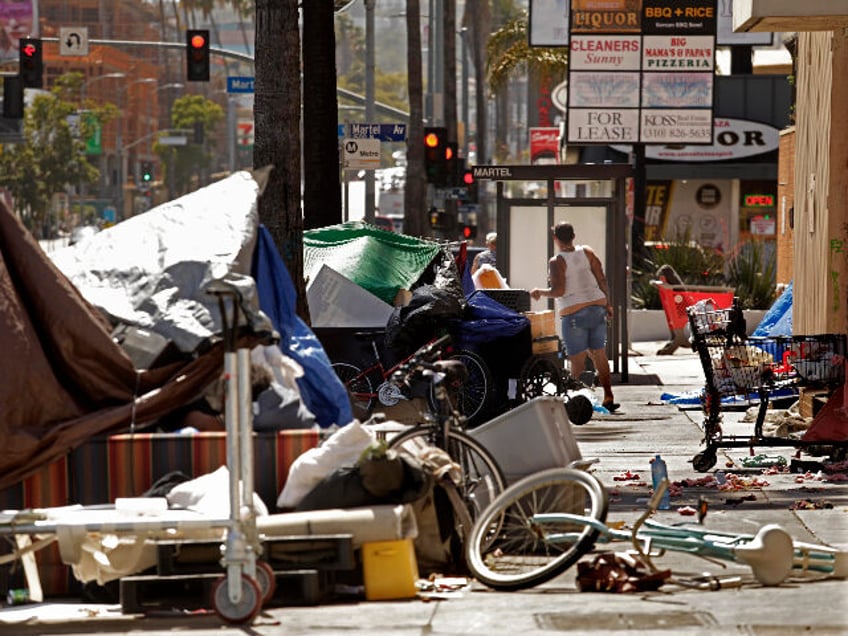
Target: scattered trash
[(809, 504), (626, 476), (763, 461), (687, 511)]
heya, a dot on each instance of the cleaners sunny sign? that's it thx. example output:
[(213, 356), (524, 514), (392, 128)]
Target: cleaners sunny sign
[(641, 71)]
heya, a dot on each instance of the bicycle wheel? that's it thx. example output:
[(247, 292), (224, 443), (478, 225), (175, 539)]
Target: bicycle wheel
[(473, 397), (539, 376), (527, 552), (357, 384), (482, 478)]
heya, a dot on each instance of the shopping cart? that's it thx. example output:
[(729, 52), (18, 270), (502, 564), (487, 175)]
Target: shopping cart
[(753, 370), (676, 299)]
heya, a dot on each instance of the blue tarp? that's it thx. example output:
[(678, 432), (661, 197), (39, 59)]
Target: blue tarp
[(320, 388), (486, 319), (778, 319)]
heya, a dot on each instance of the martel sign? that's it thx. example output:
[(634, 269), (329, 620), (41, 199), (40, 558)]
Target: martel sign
[(732, 139)]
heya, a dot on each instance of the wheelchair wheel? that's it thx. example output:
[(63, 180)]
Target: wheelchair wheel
[(474, 396), (539, 376), (529, 550)]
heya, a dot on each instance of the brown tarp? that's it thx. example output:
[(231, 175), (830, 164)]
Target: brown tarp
[(62, 377)]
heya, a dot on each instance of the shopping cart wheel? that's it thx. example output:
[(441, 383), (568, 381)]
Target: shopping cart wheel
[(705, 460), (247, 607)]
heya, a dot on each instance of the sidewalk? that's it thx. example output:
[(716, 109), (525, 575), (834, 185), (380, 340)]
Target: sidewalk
[(622, 442)]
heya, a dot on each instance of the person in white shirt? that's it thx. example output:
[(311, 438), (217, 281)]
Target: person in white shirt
[(579, 288)]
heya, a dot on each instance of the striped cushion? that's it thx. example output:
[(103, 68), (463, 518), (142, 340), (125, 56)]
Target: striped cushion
[(127, 465)]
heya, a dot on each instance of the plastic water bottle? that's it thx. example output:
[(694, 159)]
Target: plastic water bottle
[(659, 471)]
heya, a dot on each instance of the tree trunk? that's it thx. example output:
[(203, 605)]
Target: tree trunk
[(415, 199), (480, 26), (322, 198), (276, 112)]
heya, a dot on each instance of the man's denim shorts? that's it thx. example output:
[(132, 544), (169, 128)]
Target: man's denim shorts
[(585, 329)]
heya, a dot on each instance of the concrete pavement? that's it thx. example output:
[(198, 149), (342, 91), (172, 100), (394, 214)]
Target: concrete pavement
[(808, 507)]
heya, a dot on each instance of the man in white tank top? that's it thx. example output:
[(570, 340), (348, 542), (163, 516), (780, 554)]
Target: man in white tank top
[(579, 289)]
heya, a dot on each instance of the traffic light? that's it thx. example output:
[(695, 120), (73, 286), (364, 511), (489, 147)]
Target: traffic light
[(451, 162), (470, 184), (31, 64), (441, 220), (146, 171), (435, 155), (469, 231), (197, 55), (13, 97)]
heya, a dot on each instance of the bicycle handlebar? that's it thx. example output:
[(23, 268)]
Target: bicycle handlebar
[(422, 363)]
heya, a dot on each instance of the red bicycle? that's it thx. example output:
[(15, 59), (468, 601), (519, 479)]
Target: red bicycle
[(369, 384)]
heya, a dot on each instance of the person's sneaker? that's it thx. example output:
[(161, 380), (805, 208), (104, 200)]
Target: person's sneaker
[(612, 407)]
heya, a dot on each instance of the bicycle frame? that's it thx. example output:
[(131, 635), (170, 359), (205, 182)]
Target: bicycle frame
[(378, 369), (772, 554)]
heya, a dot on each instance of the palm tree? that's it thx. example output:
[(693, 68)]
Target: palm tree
[(414, 199), (322, 198), (276, 112), (509, 52)]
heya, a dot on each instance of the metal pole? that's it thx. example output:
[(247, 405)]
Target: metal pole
[(369, 101), (463, 32), (438, 64), (231, 128)]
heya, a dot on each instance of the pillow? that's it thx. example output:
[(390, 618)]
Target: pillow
[(209, 494), (342, 448)]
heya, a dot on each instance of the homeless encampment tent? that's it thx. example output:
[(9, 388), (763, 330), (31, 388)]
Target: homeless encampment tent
[(65, 379)]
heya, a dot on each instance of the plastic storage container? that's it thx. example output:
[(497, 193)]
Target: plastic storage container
[(531, 437), (390, 570)]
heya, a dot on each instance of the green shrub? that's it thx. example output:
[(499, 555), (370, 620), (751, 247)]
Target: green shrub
[(751, 272), (694, 264)]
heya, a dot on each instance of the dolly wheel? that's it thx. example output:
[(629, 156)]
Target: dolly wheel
[(266, 580), (247, 607), (702, 462), (579, 409)]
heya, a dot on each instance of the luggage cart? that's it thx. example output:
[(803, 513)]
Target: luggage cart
[(238, 595), (752, 369)]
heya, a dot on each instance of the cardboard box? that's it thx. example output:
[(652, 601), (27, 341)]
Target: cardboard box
[(336, 301), (389, 569), (545, 344), (541, 323), (531, 437), (811, 401)]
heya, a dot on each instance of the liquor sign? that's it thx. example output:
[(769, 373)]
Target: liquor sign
[(641, 71)]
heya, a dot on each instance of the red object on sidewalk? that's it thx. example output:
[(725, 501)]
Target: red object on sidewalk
[(675, 299)]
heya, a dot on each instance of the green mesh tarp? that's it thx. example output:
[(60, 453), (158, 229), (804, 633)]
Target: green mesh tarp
[(379, 261)]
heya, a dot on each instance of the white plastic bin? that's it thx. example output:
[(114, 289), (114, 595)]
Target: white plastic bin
[(531, 437)]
